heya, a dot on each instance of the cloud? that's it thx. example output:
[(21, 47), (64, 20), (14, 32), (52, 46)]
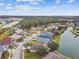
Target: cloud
[(35, 3), (9, 4), (31, 1), (1, 4), (58, 1), (26, 8), (54, 6), (71, 1), (23, 8), (44, 12), (8, 7), (28, 0)]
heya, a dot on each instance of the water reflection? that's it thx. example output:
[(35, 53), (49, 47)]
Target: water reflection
[(69, 45)]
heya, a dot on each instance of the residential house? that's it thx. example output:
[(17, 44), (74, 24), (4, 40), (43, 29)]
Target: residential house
[(16, 37), (35, 29), (34, 47), (6, 41)]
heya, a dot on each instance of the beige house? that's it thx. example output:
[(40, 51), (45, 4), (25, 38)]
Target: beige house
[(35, 29)]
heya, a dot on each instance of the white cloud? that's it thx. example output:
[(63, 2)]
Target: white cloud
[(71, 1), (44, 12), (54, 6), (9, 4), (31, 1), (58, 1), (35, 3), (23, 8), (26, 8), (9, 7), (1, 4), (47, 7)]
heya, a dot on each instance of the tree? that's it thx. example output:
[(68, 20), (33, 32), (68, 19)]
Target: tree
[(5, 55), (53, 46), (41, 51), (19, 40), (56, 33), (27, 22)]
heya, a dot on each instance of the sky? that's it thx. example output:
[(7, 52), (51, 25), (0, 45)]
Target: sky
[(40, 7)]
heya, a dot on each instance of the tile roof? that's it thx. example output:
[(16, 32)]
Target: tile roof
[(6, 41)]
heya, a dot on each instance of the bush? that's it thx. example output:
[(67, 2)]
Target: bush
[(41, 51), (53, 46), (19, 40), (5, 55)]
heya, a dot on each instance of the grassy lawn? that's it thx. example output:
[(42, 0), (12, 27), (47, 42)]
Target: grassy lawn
[(30, 55), (34, 42), (57, 37)]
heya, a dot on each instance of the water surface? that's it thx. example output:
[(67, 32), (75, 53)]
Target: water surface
[(69, 45)]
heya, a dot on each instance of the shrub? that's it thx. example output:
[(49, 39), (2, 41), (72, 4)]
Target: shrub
[(53, 46)]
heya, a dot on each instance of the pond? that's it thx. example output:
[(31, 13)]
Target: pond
[(69, 44)]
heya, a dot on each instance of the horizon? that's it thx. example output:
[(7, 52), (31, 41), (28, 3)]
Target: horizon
[(39, 15)]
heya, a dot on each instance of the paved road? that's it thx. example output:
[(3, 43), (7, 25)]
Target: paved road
[(17, 54), (53, 55), (1, 50)]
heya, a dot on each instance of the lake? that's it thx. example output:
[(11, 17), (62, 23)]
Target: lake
[(69, 45)]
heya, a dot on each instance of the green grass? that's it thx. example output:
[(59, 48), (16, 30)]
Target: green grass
[(57, 37), (31, 55)]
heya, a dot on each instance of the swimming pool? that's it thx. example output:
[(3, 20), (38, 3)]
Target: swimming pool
[(43, 37)]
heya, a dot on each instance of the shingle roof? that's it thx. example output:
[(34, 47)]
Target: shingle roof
[(35, 46)]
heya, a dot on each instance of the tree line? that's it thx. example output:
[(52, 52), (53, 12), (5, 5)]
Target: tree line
[(28, 22)]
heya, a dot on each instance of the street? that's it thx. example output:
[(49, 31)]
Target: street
[(17, 54)]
